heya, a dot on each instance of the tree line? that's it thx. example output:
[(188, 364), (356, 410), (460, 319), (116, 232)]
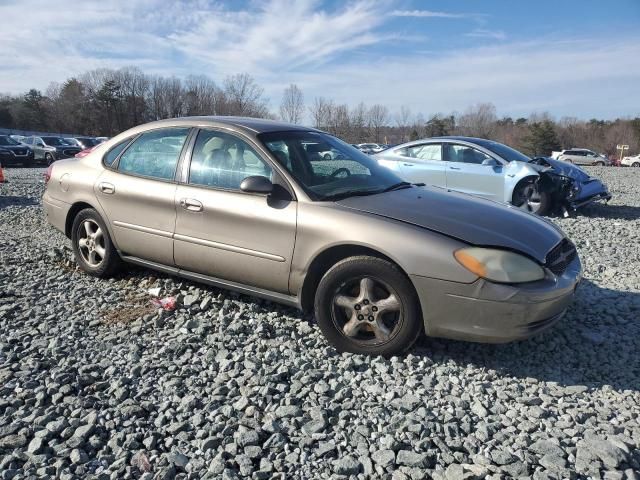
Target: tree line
[(104, 102)]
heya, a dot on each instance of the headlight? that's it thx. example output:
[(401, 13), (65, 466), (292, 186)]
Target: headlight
[(499, 265)]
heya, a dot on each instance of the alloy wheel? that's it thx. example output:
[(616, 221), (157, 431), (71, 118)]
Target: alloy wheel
[(528, 198), (367, 311), (91, 243)]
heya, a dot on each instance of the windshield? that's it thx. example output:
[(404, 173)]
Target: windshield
[(8, 141), (507, 153), (56, 141), (348, 174)]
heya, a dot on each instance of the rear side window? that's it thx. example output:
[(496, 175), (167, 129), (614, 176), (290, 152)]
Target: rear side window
[(154, 154), (112, 155)]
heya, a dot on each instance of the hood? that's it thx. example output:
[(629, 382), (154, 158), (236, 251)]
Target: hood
[(15, 148), (471, 219), (564, 168)]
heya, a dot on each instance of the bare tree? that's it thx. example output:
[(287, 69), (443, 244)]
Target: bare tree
[(244, 96), (403, 120), (378, 118), (321, 112), (201, 96), (479, 121), (358, 120), (292, 105)]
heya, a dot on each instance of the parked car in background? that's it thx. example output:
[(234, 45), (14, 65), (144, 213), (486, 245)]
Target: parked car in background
[(332, 154), (244, 205), (86, 142), (633, 161), (48, 149), (488, 169), (18, 138), (583, 156), (13, 152), (370, 148)]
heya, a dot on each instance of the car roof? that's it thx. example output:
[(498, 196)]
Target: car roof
[(254, 125)]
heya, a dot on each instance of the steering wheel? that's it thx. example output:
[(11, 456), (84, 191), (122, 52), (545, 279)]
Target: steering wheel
[(340, 170)]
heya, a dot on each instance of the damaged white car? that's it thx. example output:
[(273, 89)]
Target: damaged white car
[(495, 171)]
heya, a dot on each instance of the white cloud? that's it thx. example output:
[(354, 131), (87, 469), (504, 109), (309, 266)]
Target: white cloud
[(432, 14), (484, 33)]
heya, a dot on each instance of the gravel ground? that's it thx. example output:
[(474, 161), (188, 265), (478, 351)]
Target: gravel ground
[(96, 383)]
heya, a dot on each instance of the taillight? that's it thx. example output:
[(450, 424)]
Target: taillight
[(47, 174)]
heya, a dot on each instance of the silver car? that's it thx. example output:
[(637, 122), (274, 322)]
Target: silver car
[(583, 156), (244, 204), (470, 165)]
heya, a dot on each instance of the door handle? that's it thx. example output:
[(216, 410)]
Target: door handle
[(454, 168), (108, 188), (191, 204)]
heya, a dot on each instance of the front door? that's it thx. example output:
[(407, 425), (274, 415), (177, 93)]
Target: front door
[(138, 194), (466, 172), (224, 232)]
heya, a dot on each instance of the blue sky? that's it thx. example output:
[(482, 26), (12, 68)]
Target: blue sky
[(566, 57)]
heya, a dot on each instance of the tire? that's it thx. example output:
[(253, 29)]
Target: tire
[(599, 164), (635, 164), (390, 317), (528, 197), (327, 156), (92, 245), (48, 159)]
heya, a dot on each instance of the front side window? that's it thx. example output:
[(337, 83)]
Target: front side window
[(8, 141), (349, 173), (429, 151), (222, 160), (154, 154), (464, 154)]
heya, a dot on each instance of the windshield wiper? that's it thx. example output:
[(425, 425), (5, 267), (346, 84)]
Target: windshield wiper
[(350, 193), (402, 185)]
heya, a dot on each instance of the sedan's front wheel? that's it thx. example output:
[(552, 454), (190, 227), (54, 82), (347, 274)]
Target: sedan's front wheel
[(527, 196), (92, 245), (366, 305)]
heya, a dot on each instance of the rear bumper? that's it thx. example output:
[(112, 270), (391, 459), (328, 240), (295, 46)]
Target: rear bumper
[(56, 211), (495, 313)]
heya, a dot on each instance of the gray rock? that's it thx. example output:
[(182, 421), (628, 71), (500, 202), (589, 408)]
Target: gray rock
[(384, 458), (347, 466)]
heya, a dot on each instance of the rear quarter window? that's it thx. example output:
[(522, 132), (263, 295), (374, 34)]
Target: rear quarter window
[(113, 154)]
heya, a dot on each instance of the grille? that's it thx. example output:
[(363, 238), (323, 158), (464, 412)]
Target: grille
[(559, 258)]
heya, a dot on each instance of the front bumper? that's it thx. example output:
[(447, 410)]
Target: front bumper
[(488, 312), (591, 191)]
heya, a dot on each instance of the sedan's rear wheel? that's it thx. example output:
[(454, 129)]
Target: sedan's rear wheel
[(92, 245), (527, 196), (635, 164), (599, 164), (48, 158), (366, 305), (327, 156)]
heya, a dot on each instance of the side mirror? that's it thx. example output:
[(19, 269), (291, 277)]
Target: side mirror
[(257, 184), (492, 162)]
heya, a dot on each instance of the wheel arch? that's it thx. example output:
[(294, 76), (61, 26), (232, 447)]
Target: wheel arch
[(527, 178), (325, 259), (76, 208)]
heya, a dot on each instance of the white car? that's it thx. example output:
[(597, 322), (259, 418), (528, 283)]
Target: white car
[(631, 161), (369, 147), (583, 156)]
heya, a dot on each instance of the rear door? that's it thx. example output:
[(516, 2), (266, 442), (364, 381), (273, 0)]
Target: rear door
[(423, 163), (137, 192), (466, 173), (224, 232)]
